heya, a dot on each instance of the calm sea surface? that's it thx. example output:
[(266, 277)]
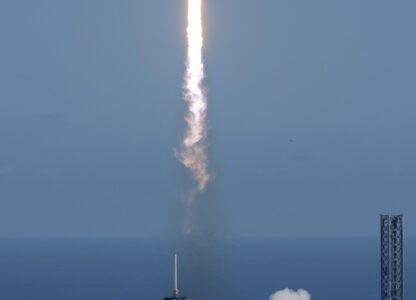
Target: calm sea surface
[(329, 268)]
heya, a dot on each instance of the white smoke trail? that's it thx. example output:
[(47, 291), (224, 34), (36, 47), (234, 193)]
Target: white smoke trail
[(288, 294), (193, 154)]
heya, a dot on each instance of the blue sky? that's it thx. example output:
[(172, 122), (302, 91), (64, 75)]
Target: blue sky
[(311, 113)]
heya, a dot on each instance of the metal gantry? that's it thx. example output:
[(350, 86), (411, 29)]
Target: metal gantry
[(175, 295), (391, 242)]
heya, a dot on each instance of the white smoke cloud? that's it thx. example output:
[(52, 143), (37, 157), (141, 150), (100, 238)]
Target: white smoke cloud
[(193, 154), (288, 294)]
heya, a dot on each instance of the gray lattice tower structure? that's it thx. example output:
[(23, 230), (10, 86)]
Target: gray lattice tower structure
[(175, 295), (391, 239)]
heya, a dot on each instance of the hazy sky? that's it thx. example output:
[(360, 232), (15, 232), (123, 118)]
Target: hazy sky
[(311, 108)]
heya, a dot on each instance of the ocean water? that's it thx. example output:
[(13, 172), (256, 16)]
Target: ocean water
[(329, 268)]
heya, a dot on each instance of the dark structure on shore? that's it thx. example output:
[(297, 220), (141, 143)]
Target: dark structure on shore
[(391, 239), (175, 295)]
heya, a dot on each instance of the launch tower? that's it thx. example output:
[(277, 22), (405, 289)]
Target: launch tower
[(391, 239), (175, 295)]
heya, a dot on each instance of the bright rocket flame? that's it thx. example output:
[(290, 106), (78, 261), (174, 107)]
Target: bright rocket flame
[(193, 154)]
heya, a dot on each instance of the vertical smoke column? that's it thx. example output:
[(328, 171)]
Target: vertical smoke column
[(193, 154)]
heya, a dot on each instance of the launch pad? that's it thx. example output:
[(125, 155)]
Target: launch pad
[(175, 295)]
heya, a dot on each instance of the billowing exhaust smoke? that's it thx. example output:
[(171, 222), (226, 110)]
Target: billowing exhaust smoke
[(288, 294), (192, 153)]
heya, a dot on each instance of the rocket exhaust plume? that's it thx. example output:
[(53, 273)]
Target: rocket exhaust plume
[(192, 153), (288, 294)]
